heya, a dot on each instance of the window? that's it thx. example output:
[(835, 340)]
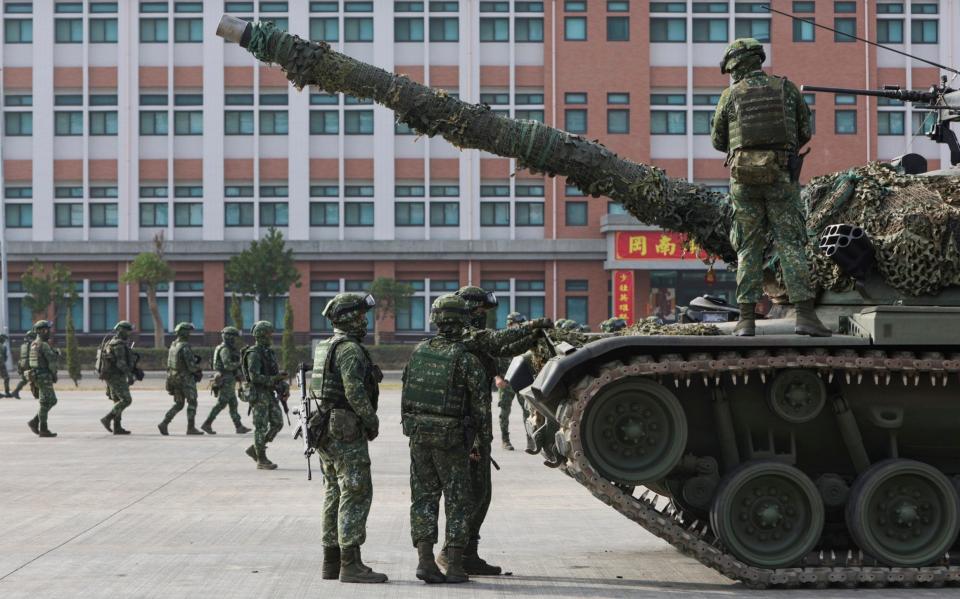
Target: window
[(890, 8), (188, 31), (444, 7), (408, 214), (68, 123), (21, 193), (153, 31), (575, 6), (576, 214), (444, 191), (526, 190), (495, 214), (274, 191), (238, 214), (324, 191), (148, 7), (494, 191), (324, 214), (153, 214), (494, 7), (238, 122), (444, 29), (67, 191), (273, 122), (668, 30), (575, 120), (575, 29), (804, 6), (924, 31), (618, 29), (890, 31), (18, 124), (494, 29), (844, 7), (188, 191), (146, 319), (103, 31), (19, 216), (68, 215), (358, 122), (358, 29), (710, 30), (103, 313), (103, 122), (188, 122), (613, 6), (577, 309), (408, 29), (668, 7), (668, 122), (758, 29), (845, 29), (845, 122), (103, 191), (408, 6), (188, 309), (924, 8), (702, 121), (358, 214), (618, 120), (411, 317), (238, 191), (618, 98), (274, 214), (324, 29), (103, 215), (358, 191), (528, 29), (804, 31), (444, 214), (529, 214), (188, 214), (575, 98), (153, 122), (890, 123), (17, 31), (409, 191), (530, 115), (68, 31)]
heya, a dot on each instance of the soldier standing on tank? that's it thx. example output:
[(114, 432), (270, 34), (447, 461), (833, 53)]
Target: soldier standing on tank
[(117, 369), (262, 371), (346, 381), (442, 401), (23, 363), (226, 361), (761, 122), (43, 361), (183, 373), (506, 393)]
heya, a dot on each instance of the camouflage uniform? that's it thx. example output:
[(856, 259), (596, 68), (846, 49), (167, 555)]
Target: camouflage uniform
[(23, 363), (117, 372), (3, 365), (183, 372), (262, 371), (505, 393), (226, 361), (43, 361), (613, 325)]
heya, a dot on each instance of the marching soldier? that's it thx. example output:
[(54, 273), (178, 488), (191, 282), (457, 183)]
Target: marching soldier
[(183, 373), (226, 361), (117, 368), (262, 372), (43, 362), (23, 362)]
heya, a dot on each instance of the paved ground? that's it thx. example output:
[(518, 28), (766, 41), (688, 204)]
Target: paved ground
[(92, 515)]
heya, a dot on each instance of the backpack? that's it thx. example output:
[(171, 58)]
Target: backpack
[(100, 361)]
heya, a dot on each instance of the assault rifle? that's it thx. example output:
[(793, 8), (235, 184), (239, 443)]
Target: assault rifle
[(303, 416), (282, 388), (138, 373)]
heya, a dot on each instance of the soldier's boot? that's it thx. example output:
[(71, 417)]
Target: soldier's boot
[(473, 563), (252, 452), (46, 432), (6, 388), (427, 569), (34, 425), (330, 570), (242, 429), (117, 427), (747, 325), (263, 463), (162, 427), (207, 426), (16, 393), (456, 566), (192, 428), (808, 323), (352, 570), (107, 421), (506, 441)]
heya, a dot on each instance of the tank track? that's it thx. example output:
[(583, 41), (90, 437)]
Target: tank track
[(659, 516)]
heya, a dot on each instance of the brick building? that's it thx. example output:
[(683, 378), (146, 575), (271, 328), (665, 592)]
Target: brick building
[(125, 119)]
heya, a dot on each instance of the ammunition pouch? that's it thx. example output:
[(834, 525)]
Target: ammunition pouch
[(170, 386), (345, 426), (319, 427), (755, 167), (434, 431)]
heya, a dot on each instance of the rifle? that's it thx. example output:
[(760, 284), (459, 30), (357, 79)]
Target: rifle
[(303, 416), (138, 373), (282, 388)]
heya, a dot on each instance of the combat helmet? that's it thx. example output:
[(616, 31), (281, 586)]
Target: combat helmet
[(739, 50), (42, 324), (183, 328), (475, 297), (230, 331), (612, 325), (123, 324), (516, 318), (261, 328), (449, 309), (345, 305)]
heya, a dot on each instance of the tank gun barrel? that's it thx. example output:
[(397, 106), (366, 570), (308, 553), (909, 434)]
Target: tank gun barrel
[(891, 92), (645, 191)]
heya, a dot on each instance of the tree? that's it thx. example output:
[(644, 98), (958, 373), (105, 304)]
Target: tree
[(265, 270), (46, 288), (288, 349), (73, 351), (391, 296), (236, 313), (150, 270)]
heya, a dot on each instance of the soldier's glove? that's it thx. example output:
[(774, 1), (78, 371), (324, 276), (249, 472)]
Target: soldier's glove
[(372, 428), (539, 323), (373, 434), (474, 455), (130, 379)]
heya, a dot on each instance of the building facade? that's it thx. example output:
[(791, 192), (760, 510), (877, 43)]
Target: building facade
[(125, 120)]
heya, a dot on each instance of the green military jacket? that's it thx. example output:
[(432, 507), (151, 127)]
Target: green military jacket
[(226, 361), (352, 374), (261, 368), (118, 358), (3, 353), (44, 360), (181, 361)]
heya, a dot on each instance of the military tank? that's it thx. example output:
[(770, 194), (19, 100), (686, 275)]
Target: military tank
[(776, 460)]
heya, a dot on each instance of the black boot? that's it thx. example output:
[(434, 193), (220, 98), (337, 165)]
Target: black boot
[(117, 427), (207, 427), (162, 427), (191, 427), (808, 323), (456, 571), (506, 441), (263, 463), (34, 425), (427, 569), (6, 388), (252, 452), (46, 432), (747, 325), (473, 563), (351, 569), (106, 421), (330, 570), (242, 429)]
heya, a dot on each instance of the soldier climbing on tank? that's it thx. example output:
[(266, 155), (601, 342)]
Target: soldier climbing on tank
[(505, 392), (23, 363), (761, 122), (44, 361), (183, 373)]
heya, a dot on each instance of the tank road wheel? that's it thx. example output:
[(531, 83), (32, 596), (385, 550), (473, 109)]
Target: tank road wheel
[(768, 514), (634, 432), (903, 513), (797, 395)]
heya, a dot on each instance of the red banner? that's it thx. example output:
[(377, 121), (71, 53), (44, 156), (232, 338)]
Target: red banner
[(623, 295), (650, 245)]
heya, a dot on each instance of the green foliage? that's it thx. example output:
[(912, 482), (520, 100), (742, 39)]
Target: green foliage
[(46, 288), (150, 270), (264, 270), (288, 349), (236, 313), (73, 357), (391, 296)]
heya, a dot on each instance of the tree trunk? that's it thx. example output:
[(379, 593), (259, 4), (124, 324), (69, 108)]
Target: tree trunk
[(158, 332)]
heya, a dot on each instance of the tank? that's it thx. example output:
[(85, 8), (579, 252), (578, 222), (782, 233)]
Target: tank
[(777, 460)]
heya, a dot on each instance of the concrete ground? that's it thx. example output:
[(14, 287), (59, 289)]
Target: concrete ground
[(92, 515)]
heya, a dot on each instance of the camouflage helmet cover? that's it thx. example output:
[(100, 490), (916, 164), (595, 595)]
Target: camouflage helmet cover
[(227, 331), (475, 297), (42, 324), (262, 327), (184, 327), (123, 324), (449, 309), (516, 318), (740, 49), (345, 305)]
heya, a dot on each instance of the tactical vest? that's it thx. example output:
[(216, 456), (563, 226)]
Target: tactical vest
[(267, 358), (173, 356), (429, 386), (762, 119), (218, 364), (107, 356), (38, 361), (23, 360), (326, 384)]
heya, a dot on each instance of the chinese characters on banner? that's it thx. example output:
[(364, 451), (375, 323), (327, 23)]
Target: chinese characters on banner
[(623, 295), (651, 245)]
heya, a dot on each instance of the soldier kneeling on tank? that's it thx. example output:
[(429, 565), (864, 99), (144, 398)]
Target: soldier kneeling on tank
[(442, 403)]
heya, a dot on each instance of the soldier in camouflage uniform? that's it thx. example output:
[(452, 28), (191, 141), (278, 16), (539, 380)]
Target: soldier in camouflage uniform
[(443, 400), (761, 122), (613, 325), (3, 365), (488, 345), (43, 361), (226, 361), (262, 371), (183, 373), (23, 363), (506, 393), (346, 381), (117, 369)]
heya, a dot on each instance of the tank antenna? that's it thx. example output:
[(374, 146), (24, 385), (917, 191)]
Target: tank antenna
[(866, 41)]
